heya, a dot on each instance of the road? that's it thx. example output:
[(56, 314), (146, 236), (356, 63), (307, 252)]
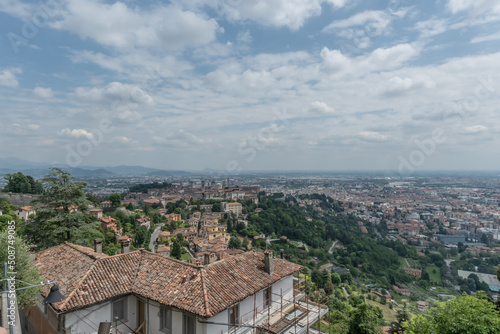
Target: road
[(330, 251), (154, 236)]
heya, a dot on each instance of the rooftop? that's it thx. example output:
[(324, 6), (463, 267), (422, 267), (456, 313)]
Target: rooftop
[(204, 291)]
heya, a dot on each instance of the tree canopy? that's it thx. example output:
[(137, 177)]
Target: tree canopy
[(116, 199), (26, 272), (465, 314), (61, 213), (20, 183)]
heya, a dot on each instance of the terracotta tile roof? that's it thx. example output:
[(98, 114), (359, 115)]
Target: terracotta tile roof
[(87, 278)]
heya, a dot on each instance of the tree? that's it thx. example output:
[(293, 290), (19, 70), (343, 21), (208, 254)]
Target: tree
[(461, 247), (116, 199), (26, 271), (465, 314), (20, 183), (61, 213), (402, 318), (176, 251), (346, 277), (4, 221), (364, 320), (484, 238), (335, 278), (234, 242)]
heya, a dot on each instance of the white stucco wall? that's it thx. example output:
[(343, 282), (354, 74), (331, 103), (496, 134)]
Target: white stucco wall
[(247, 305), (87, 321)]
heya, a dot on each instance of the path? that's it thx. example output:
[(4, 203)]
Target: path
[(345, 292), (330, 251), (189, 252), (154, 236)]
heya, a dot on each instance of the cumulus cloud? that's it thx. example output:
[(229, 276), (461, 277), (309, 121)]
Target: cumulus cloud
[(372, 136), (178, 139), (473, 6), (475, 129), (115, 94), (124, 27), (76, 133), (8, 77), (124, 140), (44, 93), (321, 108), (361, 27), (289, 13)]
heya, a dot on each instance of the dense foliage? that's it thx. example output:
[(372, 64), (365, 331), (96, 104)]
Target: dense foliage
[(61, 213), (27, 274), (20, 183), (466, 314), (143, 187)]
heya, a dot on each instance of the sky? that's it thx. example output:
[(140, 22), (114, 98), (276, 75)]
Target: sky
[(252, 84)]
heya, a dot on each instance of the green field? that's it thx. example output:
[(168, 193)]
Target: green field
[(389, 315), (434, 277), (185, 257)]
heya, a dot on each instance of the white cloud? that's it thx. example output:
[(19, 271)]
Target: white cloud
[(475, 129), (120, 26), (473, 6), (124, 140), (16, 8), (432, 27), (321, 108), (44, 93), (378, 19), (76, 133), (361, 27), (372, 136), (115, 94), (289, 13), (8, 77), (486, 38)]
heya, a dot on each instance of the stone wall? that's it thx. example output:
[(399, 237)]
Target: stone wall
[(18, 199)]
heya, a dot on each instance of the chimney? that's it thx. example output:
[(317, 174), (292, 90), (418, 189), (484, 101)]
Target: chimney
[(206, 258), (125, 245), (268, 259), (98, 246), (32, 252)]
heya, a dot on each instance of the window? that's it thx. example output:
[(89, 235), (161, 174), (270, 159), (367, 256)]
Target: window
[(166, 320), (188, 324), (119, 309), (233, 315), (267, 297)]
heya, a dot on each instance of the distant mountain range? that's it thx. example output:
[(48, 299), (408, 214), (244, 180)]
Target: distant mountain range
[(37, 170)]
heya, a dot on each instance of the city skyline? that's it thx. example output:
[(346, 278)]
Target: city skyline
[(252, 85)]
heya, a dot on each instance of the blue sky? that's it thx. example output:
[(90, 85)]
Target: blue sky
[(247, 85)]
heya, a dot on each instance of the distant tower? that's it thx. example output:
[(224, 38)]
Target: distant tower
[(227, 183), (202, 185), (191, 184)]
